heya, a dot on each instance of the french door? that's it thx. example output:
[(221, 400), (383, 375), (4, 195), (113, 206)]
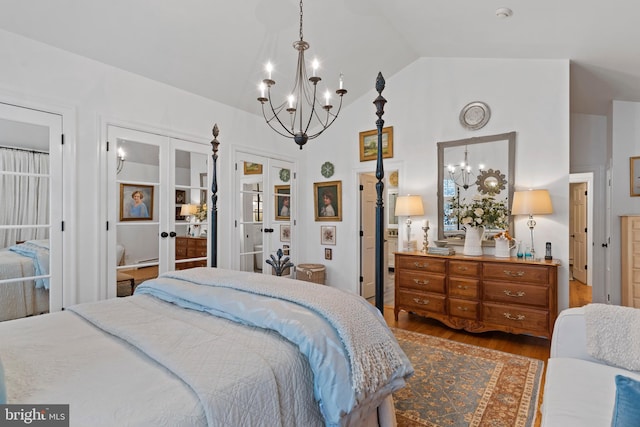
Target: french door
[(158, 195), (31, 214), (265, 211)]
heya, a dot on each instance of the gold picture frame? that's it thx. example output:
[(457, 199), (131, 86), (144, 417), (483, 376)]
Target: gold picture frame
[(282, 194), (369, 144), (128, 209), (252, 168), (634, 176), (327, 200)]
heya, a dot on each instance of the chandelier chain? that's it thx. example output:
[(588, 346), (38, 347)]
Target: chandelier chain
[(301, 38)]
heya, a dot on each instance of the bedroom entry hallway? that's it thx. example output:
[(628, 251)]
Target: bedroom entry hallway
[(31, 212)]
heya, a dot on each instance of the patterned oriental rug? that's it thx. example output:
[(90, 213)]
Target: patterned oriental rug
[(459, 384)]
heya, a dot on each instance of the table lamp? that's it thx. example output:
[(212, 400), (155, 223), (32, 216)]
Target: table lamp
[(187, 210), (409, 206), (531, 202)]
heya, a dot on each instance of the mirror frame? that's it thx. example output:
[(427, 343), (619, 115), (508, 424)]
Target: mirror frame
[(510, 137)]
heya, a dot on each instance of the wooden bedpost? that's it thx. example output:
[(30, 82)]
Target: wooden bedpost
[(214, 198), (380, 264)]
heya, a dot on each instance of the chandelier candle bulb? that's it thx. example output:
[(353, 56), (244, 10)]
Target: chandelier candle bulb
[(314, 66), (269, 68), (341, 81)]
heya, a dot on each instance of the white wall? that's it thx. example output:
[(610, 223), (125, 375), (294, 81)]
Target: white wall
[(530, 97), (625, 143), (32, 70)]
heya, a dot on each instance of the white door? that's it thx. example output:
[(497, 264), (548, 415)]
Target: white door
[(265, 211), (152, 177), (31, 190), (368, 197)]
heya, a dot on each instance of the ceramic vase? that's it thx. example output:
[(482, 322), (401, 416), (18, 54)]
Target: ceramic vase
[(473, 241), (504, 246)]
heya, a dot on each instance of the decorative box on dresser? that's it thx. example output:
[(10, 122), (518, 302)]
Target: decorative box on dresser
[(479, 294), (630, 260), (191, 247)]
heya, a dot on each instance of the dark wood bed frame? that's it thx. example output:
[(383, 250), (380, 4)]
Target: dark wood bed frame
[(379, 102)]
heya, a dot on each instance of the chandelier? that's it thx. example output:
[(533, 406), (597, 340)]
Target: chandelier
[(121, 160), (461, 174), (303, 106)]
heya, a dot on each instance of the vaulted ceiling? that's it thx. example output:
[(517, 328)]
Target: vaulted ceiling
[(217, 49)]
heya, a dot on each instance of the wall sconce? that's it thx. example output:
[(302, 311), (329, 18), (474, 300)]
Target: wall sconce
[(121, 159), (531, 202), (409, 206)]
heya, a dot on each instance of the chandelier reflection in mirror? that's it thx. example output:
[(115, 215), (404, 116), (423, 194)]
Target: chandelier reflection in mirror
[(121, 160), (462, 174), (303, 105)]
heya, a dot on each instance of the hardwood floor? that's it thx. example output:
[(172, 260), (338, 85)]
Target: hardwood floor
[(523, 345)]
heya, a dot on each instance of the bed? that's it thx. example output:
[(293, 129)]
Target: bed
[(209, 346), (26, 297)]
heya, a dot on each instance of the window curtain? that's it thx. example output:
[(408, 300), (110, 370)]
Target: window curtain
[(24, 191)]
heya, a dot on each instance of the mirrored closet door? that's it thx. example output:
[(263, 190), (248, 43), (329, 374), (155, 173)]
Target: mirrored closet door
[(31, 212), (158, 205)]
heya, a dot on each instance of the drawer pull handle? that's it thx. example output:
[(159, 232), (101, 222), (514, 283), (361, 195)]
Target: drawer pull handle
[(421, 282), (510, 317), (463, 308), (518, 294), (421, 301), (420, 265), (514, 273), (462, 268), (463, 287)]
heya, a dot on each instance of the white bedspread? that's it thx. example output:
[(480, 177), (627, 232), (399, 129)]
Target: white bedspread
[(251, 377)]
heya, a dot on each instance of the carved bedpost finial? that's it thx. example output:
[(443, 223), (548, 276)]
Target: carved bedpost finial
[(215, 131), (214, 197)]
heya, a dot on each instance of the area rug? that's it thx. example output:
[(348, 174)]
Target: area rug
[(458, 384)]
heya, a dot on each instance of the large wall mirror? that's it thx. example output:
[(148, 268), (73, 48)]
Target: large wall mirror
[(467, 168)]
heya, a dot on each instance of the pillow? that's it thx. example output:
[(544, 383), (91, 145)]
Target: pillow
[(626, 411)]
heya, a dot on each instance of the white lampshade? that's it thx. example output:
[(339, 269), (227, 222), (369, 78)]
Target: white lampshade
[(409, 206), (187, 209), (531, 202)]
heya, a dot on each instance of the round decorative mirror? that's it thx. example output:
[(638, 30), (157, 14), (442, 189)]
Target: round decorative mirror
[(491, 182)]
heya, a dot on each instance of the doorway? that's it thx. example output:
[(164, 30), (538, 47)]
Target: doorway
[(580, 239)]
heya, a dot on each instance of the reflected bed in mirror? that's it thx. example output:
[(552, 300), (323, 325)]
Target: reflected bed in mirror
[(471, 168)]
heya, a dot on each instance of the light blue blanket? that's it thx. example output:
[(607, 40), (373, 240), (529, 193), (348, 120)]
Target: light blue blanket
[(38, 251), (335, 330), (3, 390)]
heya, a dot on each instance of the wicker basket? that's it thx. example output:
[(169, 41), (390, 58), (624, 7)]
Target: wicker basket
[(311, 273)]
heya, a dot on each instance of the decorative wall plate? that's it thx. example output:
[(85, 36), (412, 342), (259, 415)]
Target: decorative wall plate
[(475, 115), (327, 169), (285, 174)]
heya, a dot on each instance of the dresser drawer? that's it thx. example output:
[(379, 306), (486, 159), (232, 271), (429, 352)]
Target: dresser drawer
[(516, 272), (421, 281), (465, 268), (420, 263), (181, 252), (516, 317), (463, 288), (516, 293), (421, 301), (463, 308), (196, 252)]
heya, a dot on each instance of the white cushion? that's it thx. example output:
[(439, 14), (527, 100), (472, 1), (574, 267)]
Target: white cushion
[(579, 393)]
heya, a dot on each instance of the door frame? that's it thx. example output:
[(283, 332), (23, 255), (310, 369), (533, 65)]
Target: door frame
[(67, 294), (389, 166), (587, 178)]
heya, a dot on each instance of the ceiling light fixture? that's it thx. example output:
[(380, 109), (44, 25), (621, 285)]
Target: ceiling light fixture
[(462, 175), (504, 12), (121, 160), (302, 104)]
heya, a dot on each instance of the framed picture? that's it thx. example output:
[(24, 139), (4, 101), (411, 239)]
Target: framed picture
[(285, 233), (634, 175), (328, 235), (369, 144), (136, 202), (178, 216), (282, 193), (327, 253), (181, 196), (252, 168), (285, 250), (328, 200), (203, 184)]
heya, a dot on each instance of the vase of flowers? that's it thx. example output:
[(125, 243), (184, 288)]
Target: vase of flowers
[(483, 212)]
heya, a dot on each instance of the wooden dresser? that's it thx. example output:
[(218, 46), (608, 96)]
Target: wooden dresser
[(630, 260), (191, 247), (479, 293)]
